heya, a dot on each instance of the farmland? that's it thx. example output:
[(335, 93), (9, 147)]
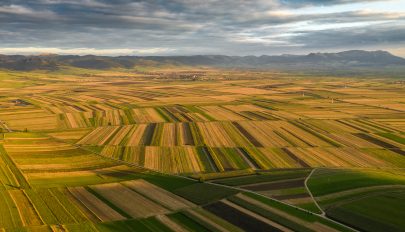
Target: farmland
[(366, 199), (88, 150)]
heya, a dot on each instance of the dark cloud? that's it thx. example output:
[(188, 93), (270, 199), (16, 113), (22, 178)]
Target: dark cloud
[(302, 3), (375, 35), (189, 26)]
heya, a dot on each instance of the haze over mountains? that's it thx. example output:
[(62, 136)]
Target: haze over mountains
[(346, 59)]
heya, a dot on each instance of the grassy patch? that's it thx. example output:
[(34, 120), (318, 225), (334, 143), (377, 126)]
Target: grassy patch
[(375, 213), (187, 222), (202, 193), (326, 181), (393, 137)]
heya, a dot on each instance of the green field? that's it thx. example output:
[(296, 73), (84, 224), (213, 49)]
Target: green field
[(373, 213)]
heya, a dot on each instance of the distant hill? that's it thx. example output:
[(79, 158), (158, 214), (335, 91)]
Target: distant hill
[(347, 59)]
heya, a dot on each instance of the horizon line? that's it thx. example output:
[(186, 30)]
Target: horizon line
[(27, 54)]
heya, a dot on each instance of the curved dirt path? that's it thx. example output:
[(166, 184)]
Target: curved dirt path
[(310, 193)]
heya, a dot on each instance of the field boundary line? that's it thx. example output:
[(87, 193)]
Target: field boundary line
[(310, 193)]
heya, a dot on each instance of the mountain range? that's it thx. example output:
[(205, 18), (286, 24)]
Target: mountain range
[(345, 59)]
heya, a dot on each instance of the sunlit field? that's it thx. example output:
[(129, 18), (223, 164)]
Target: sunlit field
[(181, 149)]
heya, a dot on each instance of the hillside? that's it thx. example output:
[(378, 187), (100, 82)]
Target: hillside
[(347, 59)]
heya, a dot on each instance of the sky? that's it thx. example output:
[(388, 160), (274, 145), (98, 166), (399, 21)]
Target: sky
[(196, 27)]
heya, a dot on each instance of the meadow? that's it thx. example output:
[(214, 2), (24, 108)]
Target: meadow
[(156, 150)]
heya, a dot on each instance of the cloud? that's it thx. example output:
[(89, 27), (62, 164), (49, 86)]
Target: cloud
[(353, 37), (302, 3), (15, 9), (234, 27), (21, 11), (82, 51)]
